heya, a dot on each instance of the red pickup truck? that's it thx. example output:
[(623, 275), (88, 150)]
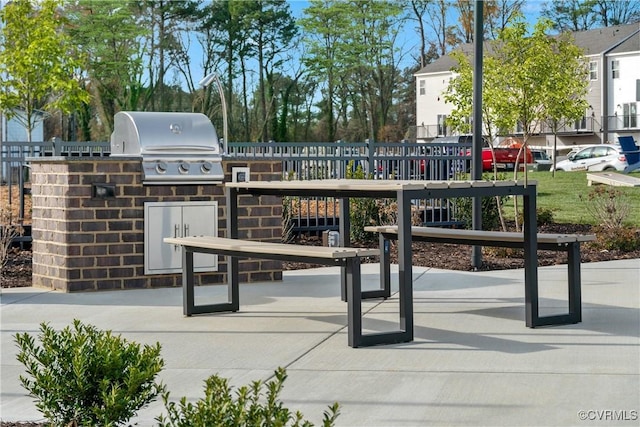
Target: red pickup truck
[(505, 158)]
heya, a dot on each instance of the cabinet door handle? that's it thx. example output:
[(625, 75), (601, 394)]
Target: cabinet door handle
[(176, 231), (186, 230)]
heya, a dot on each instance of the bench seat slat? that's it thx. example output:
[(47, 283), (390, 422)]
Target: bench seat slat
[(482, 235), (253, 247)]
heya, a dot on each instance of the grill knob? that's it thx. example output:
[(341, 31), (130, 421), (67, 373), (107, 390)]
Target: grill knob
[(206, 167), (184, 167), (161, 167)]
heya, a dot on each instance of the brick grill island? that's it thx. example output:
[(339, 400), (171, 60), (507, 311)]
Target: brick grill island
[(83, 242)]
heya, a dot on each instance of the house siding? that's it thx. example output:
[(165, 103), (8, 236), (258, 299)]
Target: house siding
[(603, 121)]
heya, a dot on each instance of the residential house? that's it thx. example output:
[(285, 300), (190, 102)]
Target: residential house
[(613, 54)]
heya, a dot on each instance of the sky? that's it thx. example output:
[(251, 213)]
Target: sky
[(408, 40)]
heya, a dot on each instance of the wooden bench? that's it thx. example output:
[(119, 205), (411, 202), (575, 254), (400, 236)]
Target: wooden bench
[(350, 258), (569, 243)]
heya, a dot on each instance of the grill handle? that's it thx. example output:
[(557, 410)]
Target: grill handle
[(178, 148)]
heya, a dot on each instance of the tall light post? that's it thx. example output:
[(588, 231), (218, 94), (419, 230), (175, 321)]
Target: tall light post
[(206, 81)]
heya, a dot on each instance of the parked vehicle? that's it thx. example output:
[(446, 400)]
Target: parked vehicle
[(505, 158), (541, 160), (600, 157)]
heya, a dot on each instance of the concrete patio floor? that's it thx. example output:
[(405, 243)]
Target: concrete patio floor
[(473, 362)]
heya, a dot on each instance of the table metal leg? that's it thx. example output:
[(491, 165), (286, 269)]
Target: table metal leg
[(354, 302), (187, 282), (345, 241), (531, 259), (575, 294), (405, 274)]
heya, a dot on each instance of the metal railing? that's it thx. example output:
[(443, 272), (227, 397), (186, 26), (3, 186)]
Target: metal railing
[(300, 161), (379, 160)]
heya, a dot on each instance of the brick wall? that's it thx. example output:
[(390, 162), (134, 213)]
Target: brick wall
[(82, 242)]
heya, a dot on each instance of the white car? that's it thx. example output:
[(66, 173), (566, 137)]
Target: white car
[(594, 158)]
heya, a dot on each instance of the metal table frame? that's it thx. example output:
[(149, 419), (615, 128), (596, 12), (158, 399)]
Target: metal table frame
[(404, 192)]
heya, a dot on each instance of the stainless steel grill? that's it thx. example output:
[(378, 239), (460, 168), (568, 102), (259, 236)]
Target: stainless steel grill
[(175, 148)]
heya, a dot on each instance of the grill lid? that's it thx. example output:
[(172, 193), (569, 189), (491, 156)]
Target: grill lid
[(136, 133), (177, 148)]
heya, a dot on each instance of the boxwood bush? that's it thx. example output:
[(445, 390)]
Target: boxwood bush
[(82, 376)]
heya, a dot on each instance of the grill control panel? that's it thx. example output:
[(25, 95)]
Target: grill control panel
[(168, 172)]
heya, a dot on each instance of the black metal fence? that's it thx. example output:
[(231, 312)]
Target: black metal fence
[(300, 161)]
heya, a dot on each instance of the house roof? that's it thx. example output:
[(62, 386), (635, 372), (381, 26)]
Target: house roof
[(630, 45), (594, 42)]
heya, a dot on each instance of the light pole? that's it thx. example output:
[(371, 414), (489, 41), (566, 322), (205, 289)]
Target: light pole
[(206, 81)]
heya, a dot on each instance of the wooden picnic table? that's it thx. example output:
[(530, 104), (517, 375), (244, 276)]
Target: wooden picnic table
[(403, 192)]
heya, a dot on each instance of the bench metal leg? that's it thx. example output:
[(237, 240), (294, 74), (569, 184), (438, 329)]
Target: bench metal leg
[(189, 307), (385, 272), (354, 313), (574, 293)]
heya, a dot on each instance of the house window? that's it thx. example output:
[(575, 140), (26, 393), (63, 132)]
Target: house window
[(615, 69), (423, 87), (442, 125), (629, 115), (593, 70)]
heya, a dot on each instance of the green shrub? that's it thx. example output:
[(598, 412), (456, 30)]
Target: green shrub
[(87, 377), (609, 206), (491, 206), (246, 407), (544, 216), (625, 239), (362, 211), (490, 211)]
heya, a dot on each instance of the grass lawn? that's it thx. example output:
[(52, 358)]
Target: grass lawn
[(561, 194)]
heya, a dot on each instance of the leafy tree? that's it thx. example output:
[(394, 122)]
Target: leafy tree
[(580, 15), (527, 80), (357, 43), (115, 41), (444, 31), (418, 10), (547, 81), (615, 12), (570, 15), (224, 36), (499, 14), (39, 65), (323, 23), (167, 20), (272, 29)]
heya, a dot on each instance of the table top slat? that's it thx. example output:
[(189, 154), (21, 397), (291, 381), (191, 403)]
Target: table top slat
[(369, 185)]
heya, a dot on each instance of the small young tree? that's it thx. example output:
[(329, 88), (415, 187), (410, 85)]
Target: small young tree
[(528, 79), (39, 70)]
